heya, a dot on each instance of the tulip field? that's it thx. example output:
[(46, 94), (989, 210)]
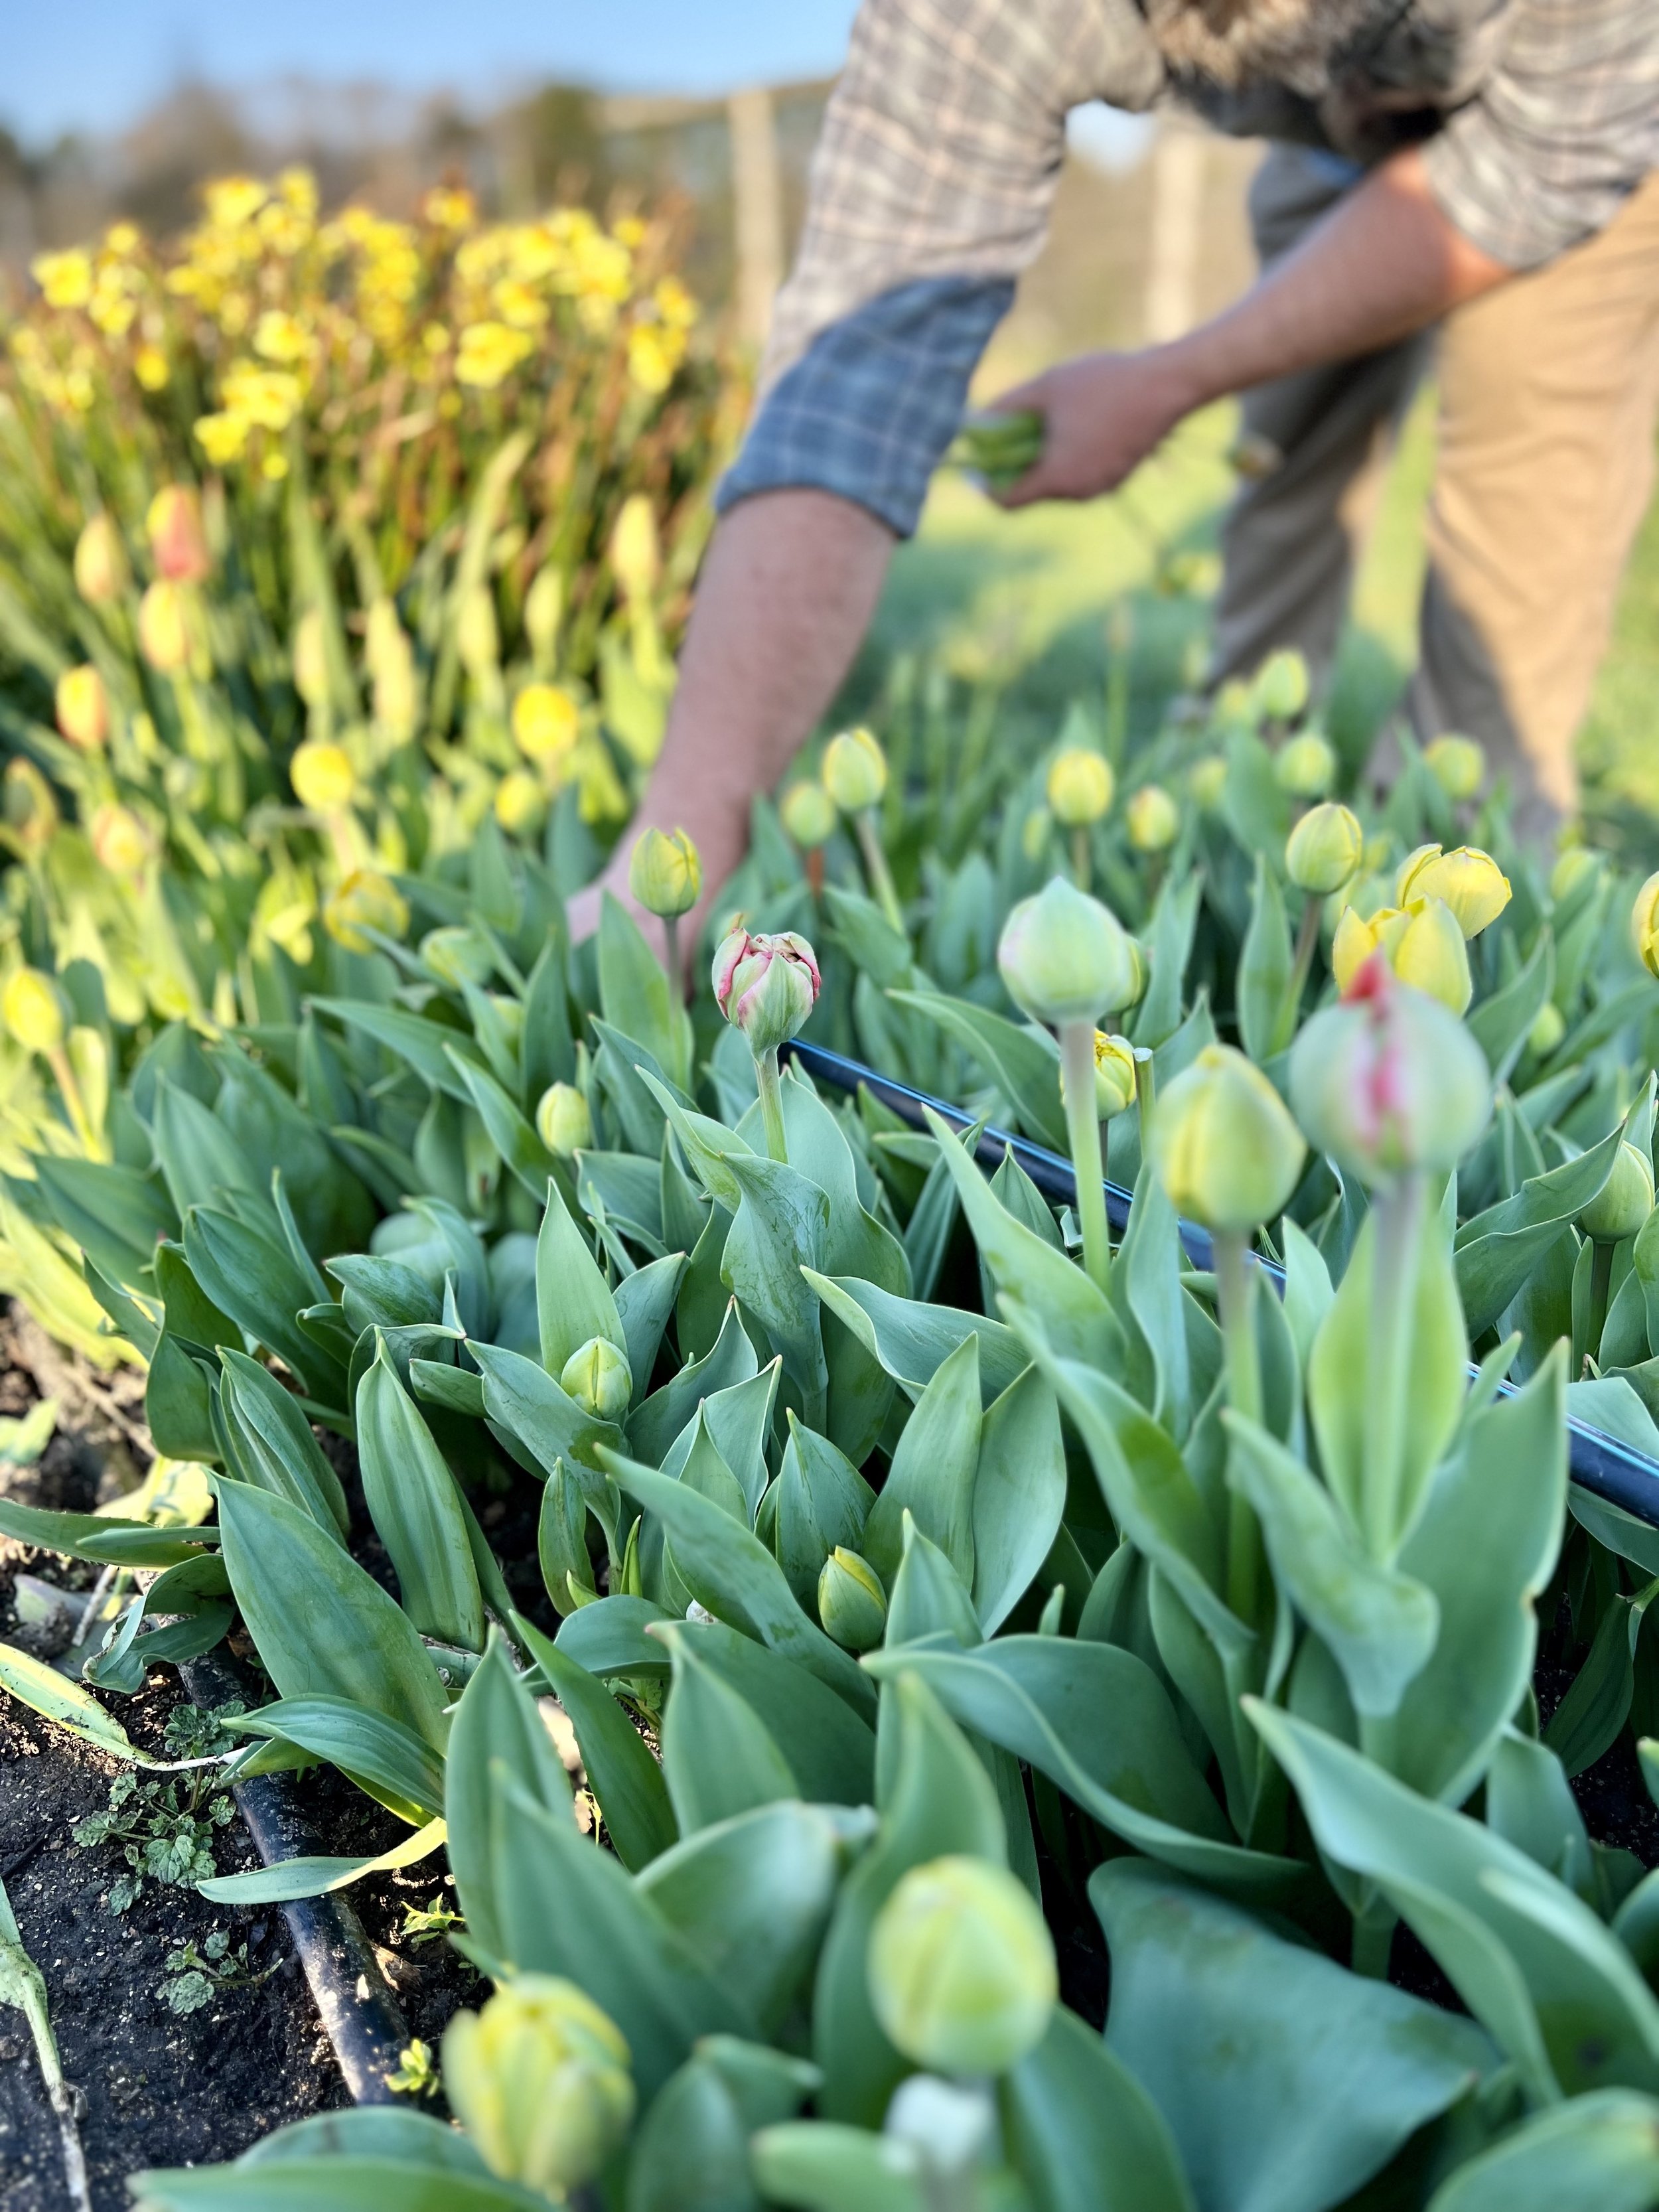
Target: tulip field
[(906, 1689)]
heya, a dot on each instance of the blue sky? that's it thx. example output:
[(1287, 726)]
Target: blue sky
[(94, 64)]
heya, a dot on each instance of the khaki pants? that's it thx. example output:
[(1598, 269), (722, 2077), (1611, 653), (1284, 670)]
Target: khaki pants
[(1548, 392)]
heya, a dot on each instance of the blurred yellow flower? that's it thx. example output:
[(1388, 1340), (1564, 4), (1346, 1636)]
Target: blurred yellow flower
[(635, 555), (516, 303), (520, 802), (164, 627), (150, 366), (676, 305), (653, 357), (268, 397), (489, 352), (65, 279), (629, 230), (83, 708), (233, 201), (124, 238), (546, 722), (297, 188), (119, 841), (282, 337), (447, 208), (222, 437), (365, 900), (322, 777), (113, 312)]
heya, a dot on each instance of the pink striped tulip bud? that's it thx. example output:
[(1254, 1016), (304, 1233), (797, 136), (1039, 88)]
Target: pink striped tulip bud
[(178, 543), (766, 985)]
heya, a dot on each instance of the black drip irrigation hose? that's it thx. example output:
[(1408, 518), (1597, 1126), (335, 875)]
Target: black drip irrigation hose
[(360, 2016), (1599, 1463)]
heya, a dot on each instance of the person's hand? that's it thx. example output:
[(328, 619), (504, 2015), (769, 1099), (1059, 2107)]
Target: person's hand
[(1102, 414)]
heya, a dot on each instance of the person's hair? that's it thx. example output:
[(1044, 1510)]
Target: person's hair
[(1232, 43)]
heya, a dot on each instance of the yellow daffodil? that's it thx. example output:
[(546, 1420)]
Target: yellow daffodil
[(490, 353), (233, 201), (65, 279)]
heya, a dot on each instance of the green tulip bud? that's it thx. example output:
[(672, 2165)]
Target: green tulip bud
[(1548, 1031), (852, 1603), (665, 873), (1579, 864), (1324, 850), (1470, 882), (563, 1122), (1152, 819), (365, 900), (962, 1968), (31, 1006), (808, 813), (1305, 766), (1079, 786), (1458, 765), (1643, 922), (101, 562), (1066, 957), (31, 806), (855, 771), (540, 2081), (544, 612), (597, 1376), (1223, 1145), (457, 955), (1389, 1080), (765, 986), (1624, 1201), (1207, 782), (1115, 1076), (1281, 687), (478, 640)]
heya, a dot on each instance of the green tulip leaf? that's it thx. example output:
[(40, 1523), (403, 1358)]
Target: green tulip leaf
[(1019, 1495), (1497, 1250), (912, 1340), (1602, 2149), (1083, 2133), (933, 1471), (623, 1775), (496, 1728), (401, 1768), (1022, 1060), (415, 1507)]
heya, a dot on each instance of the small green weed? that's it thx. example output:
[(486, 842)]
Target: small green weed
[(417, 2072), (196, 1974), (428, 1925), (163, 1828)]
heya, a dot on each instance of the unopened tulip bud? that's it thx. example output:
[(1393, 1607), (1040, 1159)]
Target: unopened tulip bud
[(540, 2081), (1644, 924), (120, 841), (1152, 819), (477, 640), (962, 1968), (1066, 957), (1207, 782), (1578, 864), (164, 627), (1224, 1145), (1079, 787), (1305, 766), (1389, 1080), (808, 814), (544, 612), (855, 771), (31, 1006), (1548, 1031), (1430, 954), (1624, 1201), (520, 802), (546, 723), (311, 659), (178, 543), (101, 562), (597, 1376), (1114, 1075), (1470, 882), (457, 955), (83, 708), (30, 806), (852, 1603), (563, 1121), (322, 776), (1458, 765), (665, 873), (1323, 852), (636, 558), (365, 900), (765, 986), (1280, 689)]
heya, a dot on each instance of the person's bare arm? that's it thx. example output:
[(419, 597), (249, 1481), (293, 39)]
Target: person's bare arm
[(1385, 263), (787, 589)]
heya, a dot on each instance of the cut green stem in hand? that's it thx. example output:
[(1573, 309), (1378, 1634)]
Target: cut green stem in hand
[(1077, 1055)]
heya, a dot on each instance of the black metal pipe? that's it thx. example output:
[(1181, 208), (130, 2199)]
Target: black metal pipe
[(361, 2017), (1599, 1463)]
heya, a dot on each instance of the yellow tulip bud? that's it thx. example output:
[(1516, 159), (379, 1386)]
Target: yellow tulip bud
[(31, 809), (311, 659), (164, 627), (31, 1006), (1207, 782), (852, 1603), (1458, 765), (178, 543), (562, 1121), (1223, 1145), (322, 777), (1470, 882), (477, 640), (83, 708), (1389, 1080), (1548, 1031), (1644, 924), (544, 612), (1281, 687), (1624, 1201), (598, 1377), (520, 802), (1079, 786), (1152, 819), (119, 841), (962, 1967), (665, 873), (808, 814), (636, 556), (101, 562), (390, 659), (457, 955), (1114, 1075), (1305, 766), (855, 771), (546, 723), (1428, 953), (1066, 957), (365, 900), (1323, 851), (540, 2081)]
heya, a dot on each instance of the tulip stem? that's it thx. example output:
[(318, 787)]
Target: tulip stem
[(1077, 1061), (1399, 1216), (670, 947), (771, 1102), (876, 868), (1080, 856), (1235, 1290), (1307, 939), (1601, 1284)]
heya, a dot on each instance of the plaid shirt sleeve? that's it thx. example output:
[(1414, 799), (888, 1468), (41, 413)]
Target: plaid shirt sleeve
[(1563, 129)]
